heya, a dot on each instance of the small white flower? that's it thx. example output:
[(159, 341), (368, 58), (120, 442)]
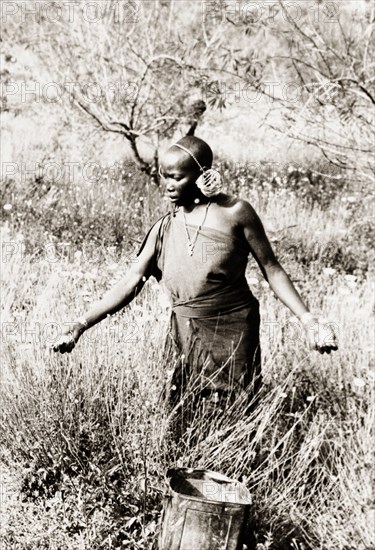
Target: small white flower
[(329, 271), (359, 382), (7, 207), (343, 290)]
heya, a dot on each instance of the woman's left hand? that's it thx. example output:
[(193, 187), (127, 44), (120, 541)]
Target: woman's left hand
[(321, 335)]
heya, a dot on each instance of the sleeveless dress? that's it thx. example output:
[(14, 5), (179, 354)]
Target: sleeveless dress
[(214, 324)]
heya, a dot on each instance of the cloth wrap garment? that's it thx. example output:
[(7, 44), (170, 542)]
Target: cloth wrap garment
[(214, 322)]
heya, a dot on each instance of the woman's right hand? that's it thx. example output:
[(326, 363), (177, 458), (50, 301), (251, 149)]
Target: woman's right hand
[(68, 339)]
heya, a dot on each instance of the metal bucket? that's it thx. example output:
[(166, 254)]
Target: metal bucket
[(203, 510)]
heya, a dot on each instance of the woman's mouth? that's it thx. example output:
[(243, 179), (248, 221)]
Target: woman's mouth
[(172, 195)]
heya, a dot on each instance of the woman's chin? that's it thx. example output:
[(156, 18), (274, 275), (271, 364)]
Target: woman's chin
[(174, 200)]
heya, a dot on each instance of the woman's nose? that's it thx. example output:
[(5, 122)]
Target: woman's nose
[(168, 182)]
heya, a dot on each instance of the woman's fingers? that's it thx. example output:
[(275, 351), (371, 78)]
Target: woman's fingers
[(326, 348), (322, 337), (65, 344)]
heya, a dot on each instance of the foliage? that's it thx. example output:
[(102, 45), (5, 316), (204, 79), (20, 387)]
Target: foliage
[(94, 220), (91, 431), (320, 81), (143, 88), (310, 71)]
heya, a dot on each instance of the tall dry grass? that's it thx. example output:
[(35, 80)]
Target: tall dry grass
[(89, 433)]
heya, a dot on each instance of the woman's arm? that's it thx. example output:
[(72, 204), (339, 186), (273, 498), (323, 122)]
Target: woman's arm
[(276, 276), (119, 296)]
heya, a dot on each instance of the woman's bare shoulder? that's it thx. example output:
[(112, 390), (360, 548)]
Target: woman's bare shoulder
[(239, 209)]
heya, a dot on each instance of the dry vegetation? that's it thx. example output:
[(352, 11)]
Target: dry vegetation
[(86, 437), (89, 432)]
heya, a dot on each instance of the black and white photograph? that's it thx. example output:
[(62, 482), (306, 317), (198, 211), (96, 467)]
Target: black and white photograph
[(187, 274)]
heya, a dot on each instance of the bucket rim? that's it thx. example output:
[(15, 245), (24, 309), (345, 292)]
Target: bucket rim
[(223, 477)]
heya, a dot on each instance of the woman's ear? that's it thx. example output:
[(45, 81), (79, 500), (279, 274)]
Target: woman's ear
[(209, 182)]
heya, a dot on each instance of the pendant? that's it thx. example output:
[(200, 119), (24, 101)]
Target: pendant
[(190, 248)]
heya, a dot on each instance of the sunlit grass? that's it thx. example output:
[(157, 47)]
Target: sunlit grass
[(95, 424)]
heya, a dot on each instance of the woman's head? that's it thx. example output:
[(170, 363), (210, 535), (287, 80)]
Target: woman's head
[(199, 151), (182, 164)]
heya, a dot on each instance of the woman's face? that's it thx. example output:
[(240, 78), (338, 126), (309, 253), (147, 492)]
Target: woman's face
[(179, 174)]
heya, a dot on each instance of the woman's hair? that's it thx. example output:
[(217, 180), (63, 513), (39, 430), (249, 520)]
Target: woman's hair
[(200, 149)]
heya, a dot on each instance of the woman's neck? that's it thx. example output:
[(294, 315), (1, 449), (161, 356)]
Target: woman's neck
[(191, 203)]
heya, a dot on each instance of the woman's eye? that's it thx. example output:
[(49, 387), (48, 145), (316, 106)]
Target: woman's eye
[(170, 176)]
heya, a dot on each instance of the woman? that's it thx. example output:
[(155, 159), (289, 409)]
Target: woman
[(200, 253)]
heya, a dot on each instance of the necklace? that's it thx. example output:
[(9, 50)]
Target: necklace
[(191, 243)]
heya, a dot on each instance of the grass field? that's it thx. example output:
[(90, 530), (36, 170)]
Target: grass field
[(85, 440)]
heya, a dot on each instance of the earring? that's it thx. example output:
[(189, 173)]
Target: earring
[(210, 182), (197, 201)]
